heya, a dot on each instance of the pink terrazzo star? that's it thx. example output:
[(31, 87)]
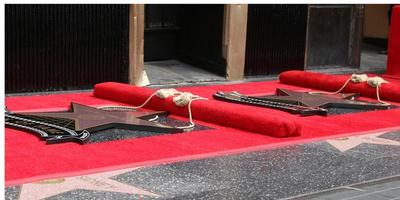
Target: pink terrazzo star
[(344, 144), (99, 182)]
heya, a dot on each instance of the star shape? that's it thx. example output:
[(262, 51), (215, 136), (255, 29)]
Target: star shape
[(345, 144), (344, 100), (97, 182), (93, 119)]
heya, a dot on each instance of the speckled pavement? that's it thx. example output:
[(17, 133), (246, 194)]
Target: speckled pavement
[(331, 169)]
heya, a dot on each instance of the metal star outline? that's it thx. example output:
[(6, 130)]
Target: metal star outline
[(93, 119), (343, 100)]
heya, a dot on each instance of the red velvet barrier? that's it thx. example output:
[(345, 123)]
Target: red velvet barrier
[(387, 91), (212, 111), (393, 63)]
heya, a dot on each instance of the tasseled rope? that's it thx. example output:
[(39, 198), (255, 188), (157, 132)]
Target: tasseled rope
[(184, 99), (355, 78), (180, 99), (359, 78), (377, 82)]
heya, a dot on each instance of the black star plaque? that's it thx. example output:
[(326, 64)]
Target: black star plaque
[(93, 119), (302, 103), (344, 100), (56, 126)]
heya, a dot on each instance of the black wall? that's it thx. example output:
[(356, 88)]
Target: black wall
[(200, 40), (58, 47), (161, 32), (276, 38)]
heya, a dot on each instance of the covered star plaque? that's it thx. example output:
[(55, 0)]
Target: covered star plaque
[(78, 123), (341, 100), (302, 103)]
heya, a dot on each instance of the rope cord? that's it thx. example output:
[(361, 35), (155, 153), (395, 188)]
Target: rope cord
[(153, 119), (336, 92), (378, 97), (355, 78), (183, 99), (358, 78), (110, 108), (376, 82), (192, 124)]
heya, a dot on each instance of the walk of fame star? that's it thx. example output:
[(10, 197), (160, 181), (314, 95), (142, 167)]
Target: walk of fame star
[(344, 144), (89, 118), (343, 100), (55, 127), (98, 182)]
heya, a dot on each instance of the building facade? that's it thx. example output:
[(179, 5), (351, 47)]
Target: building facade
[(61, 47)]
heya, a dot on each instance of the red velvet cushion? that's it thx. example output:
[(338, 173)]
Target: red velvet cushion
[(213, 111), (388, 91), (393, 63)]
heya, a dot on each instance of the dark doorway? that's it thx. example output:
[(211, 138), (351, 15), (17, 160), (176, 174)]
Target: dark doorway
[(161, 32), (276, 38), (188, 33), (64, 47)]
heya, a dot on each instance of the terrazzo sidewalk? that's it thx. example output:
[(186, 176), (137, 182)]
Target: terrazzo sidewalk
[(357, 167)]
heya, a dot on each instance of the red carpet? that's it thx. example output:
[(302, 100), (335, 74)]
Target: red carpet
[(28, 159), (387, 91), (393, 63)]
